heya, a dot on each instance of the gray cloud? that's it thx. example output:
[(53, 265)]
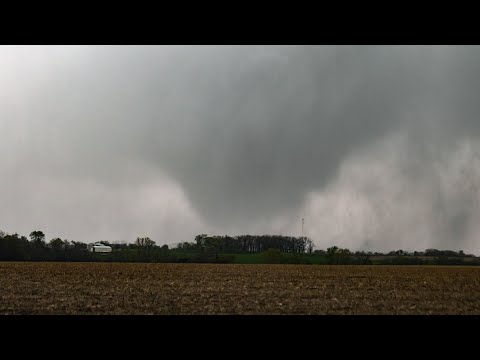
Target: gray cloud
[(385, 197), (246, 135)]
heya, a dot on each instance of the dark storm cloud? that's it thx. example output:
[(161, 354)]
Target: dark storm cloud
[(248, 133)]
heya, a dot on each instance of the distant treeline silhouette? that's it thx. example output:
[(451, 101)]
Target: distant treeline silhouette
[(218, 249), (249, 243)]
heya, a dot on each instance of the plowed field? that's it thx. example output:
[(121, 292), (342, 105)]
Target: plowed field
[(116, 288)]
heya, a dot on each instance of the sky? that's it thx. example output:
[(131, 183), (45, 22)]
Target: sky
[(376, 147)]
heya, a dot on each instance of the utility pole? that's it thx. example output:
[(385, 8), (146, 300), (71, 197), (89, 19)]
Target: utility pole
[(302, 226)]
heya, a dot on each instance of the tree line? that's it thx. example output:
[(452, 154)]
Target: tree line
[(14, 247), (249, 243), (216, 249), (20, 248)]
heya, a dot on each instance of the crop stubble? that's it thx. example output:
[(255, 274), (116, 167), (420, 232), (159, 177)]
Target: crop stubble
[(116, 288)]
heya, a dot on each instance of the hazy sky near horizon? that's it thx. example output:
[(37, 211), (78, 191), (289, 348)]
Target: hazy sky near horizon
[(377, 147)]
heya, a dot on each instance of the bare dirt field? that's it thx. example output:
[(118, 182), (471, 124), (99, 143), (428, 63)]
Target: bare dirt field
[(116, 288)]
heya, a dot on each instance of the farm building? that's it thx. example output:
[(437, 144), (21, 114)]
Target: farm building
[(99, 248)]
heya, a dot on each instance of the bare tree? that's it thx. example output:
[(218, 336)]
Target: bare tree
[(144, 242)]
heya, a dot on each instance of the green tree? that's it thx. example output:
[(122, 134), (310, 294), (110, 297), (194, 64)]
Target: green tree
[(332, 254), (343, 256), (212, 243), (78, 245), (57, 244), (37, 237), (200, 240)]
